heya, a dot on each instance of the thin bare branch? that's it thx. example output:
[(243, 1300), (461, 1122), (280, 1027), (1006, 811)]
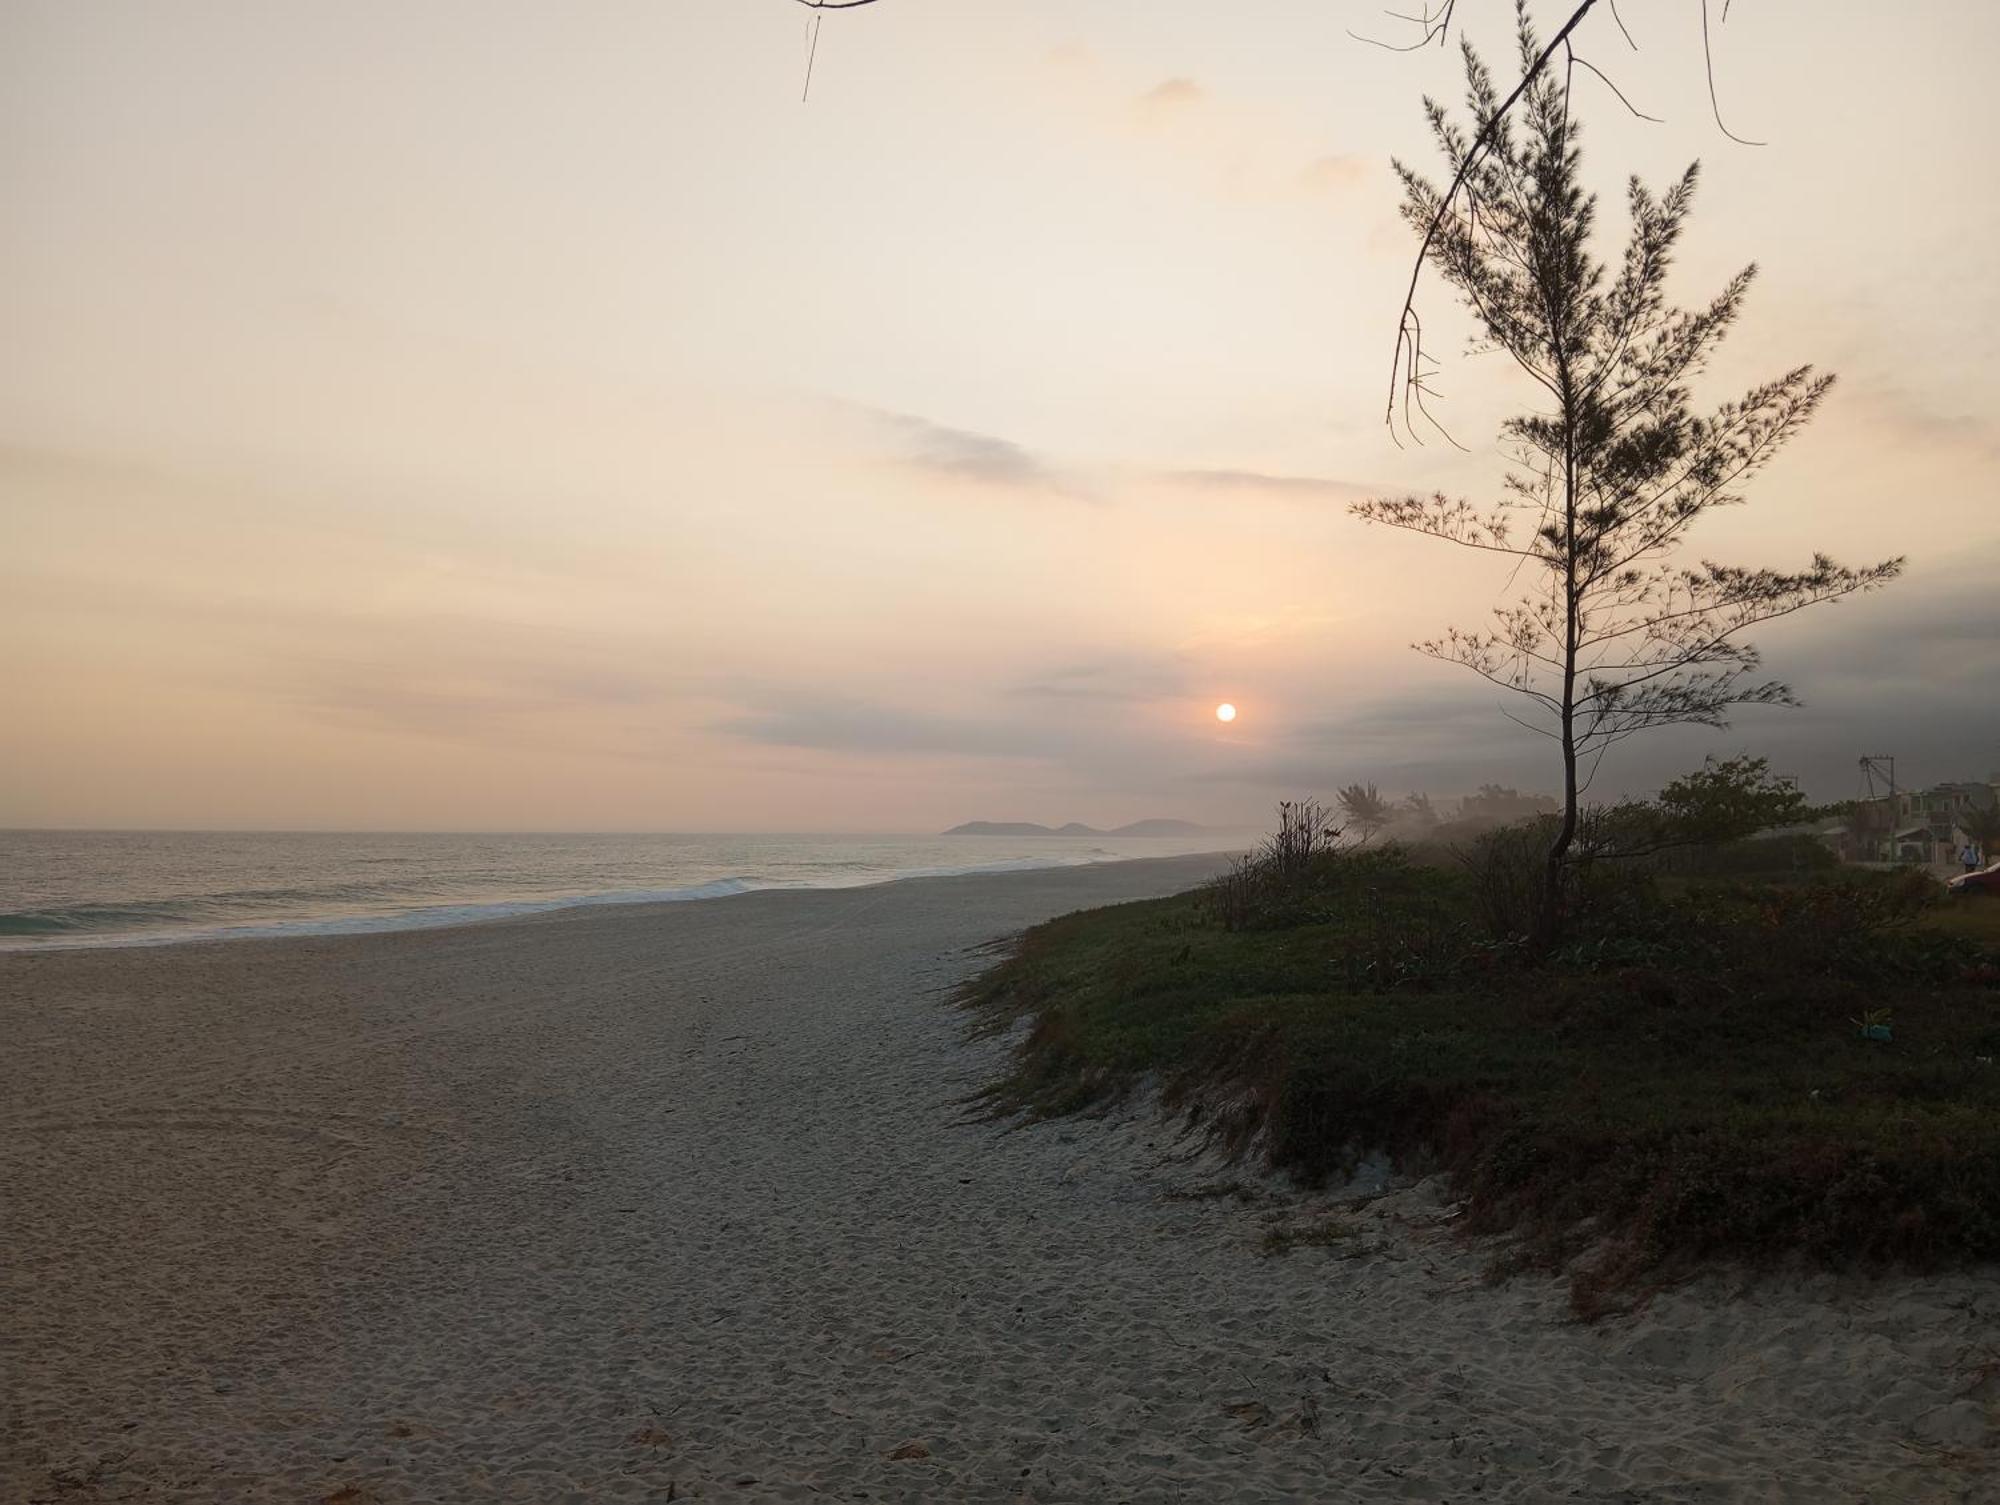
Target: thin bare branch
[(812, 51), (1622, 27), (1435, 28), (1586, 63), (1708, 61)]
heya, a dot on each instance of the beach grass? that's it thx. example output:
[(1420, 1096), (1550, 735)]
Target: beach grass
[(1692, 1077)]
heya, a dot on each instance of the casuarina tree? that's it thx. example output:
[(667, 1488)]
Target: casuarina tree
[(1366, 811), (1615, 465)]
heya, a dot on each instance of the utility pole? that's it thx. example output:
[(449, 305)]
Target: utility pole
[(1882, 766)]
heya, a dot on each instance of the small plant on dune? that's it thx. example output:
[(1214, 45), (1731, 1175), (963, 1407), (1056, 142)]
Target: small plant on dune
[(1507, 867), (1305, 834), (1265, 886), (1874, 1023)]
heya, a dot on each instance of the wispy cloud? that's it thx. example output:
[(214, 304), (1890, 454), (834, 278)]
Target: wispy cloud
[(1118, 682), (1910, 418), (842, 724), (1909, 672), (1083, 719), (1937, 631), (472, 694), (1172, 94), (1333, 172), (1233, 143), (1302, 488), (981, 459)]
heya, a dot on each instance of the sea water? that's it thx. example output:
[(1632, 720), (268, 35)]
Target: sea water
[(70, 888)]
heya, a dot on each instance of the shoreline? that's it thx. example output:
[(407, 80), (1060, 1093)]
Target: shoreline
[(607, 1203), (446, 916)]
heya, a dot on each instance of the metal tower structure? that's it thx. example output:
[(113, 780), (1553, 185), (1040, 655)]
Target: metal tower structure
[(1878, 766)]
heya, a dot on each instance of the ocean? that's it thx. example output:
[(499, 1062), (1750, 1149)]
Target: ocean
[(97, 888)]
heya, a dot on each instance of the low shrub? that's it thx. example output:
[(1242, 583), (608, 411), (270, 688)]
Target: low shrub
[(1280, 884), (1795, 854), (1508, 867), (1682, 1079)]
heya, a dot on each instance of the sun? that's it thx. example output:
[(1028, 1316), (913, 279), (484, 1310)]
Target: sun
[(1225, 712)]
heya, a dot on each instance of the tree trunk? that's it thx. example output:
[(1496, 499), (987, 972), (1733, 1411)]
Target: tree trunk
[(1549, 921)]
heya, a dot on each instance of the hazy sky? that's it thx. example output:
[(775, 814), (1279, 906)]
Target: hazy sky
[(510, 415)]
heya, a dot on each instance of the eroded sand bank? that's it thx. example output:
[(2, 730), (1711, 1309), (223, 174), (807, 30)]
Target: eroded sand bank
[(678, 1201)]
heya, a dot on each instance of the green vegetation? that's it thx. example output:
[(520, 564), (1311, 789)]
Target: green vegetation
[(1686, 1076)]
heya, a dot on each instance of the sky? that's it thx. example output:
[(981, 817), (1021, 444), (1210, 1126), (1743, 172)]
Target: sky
[(480, 414)]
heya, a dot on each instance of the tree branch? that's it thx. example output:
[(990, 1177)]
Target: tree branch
[(1405, 338), (1708, 61)]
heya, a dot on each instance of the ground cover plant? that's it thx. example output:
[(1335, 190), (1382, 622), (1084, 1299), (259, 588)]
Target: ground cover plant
[(1697, 1071)]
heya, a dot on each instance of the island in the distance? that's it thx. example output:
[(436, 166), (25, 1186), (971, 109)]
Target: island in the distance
[(1077, 828)]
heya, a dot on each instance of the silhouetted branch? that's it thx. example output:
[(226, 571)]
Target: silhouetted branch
[(1436, 26), (1405, 367), (1586, 63), (1622, 27), (1708, 60), (812, 46), (1408, 333)]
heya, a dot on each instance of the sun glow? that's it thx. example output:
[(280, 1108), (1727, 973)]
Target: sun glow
[(1225, 712)]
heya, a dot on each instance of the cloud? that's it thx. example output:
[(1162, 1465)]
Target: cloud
[(1907, 671), (982, 459), (1303, 488), (1236, 145), (473, 694), (842, 724), (1330, 173), (1081, 719), (1444, 739), (1908, 417), (1394, 722), (1935, 632), (1173, 94), (1123, 683)]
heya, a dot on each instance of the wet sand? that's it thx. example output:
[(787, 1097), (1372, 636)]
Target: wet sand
[(680, 1201)]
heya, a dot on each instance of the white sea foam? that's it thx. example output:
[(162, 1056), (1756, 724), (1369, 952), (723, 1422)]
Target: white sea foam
[(61, 890)]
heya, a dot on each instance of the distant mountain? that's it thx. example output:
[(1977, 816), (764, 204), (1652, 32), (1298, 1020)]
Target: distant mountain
[(999, 828), (1077, 828)]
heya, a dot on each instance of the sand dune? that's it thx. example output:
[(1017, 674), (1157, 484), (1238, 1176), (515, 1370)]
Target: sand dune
[(678, 1202)]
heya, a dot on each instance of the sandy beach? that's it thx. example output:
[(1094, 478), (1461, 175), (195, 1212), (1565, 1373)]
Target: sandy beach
[(681, 1201)]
